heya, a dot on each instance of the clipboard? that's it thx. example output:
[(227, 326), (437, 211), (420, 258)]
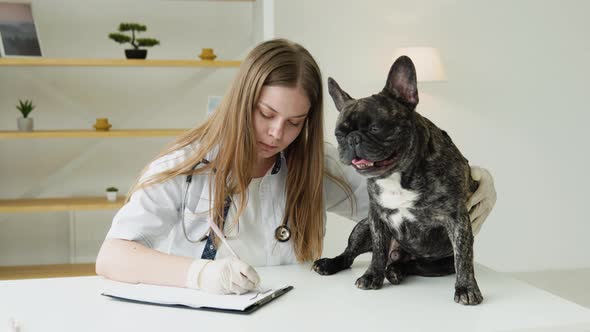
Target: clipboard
[(190, 298)]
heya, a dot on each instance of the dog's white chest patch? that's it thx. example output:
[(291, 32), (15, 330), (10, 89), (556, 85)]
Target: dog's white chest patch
[(393, 196)]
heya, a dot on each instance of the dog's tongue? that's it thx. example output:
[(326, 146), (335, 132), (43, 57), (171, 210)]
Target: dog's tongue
[(357, 161)]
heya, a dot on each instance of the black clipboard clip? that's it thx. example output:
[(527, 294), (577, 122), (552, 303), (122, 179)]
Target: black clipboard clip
[(277, 293), (256, 305)]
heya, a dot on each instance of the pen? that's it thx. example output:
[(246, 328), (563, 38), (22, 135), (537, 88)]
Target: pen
[(219, 234)]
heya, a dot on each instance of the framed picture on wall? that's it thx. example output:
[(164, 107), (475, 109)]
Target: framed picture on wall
[(18, 33)]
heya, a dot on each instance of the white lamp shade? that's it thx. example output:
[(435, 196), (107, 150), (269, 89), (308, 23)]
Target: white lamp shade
[(429, 67)]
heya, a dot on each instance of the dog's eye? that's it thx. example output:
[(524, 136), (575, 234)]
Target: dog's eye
[(375, 128)]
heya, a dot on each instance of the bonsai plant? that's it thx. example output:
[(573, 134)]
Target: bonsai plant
[(25, 123), (135, 52), (112, 194)]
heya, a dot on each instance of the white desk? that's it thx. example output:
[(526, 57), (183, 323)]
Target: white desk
[(316, 304)]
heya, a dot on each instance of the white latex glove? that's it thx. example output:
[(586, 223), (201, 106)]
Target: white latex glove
[(224, 276), (482, 201)]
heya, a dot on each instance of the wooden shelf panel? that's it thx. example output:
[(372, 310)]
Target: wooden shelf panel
[(59, 204), (56, 62), (46, 271), (91, 133)]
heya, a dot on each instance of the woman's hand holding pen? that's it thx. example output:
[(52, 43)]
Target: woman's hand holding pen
[(224, 276)]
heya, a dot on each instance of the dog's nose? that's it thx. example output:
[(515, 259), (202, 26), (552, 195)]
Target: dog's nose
[(354, 139)]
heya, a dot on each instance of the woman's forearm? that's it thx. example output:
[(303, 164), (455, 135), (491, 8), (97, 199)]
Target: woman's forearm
[(131, 262)]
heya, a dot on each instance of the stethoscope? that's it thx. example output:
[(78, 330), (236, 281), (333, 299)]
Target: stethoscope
[(282, 232)]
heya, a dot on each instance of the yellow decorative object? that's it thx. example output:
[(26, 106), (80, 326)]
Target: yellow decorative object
[(207, 54), (102, 124)]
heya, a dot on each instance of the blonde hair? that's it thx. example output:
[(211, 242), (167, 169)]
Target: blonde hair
[(230, 130)]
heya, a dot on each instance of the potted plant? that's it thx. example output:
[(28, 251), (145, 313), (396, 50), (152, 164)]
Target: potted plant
[(135, 52), (25, 123), (112, 194)]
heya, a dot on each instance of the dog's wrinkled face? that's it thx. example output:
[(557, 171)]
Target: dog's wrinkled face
[(376, 134)]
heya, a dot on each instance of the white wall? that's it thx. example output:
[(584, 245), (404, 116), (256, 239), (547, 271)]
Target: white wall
[(515, 102), (69, 98)]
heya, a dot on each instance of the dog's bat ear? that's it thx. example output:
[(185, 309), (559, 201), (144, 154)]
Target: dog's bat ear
[(338, 95), (401, 81)]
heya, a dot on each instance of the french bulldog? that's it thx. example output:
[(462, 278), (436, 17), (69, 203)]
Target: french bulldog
[(418, 184)]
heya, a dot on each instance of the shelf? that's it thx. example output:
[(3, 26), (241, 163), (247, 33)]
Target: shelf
[(91, 133), (46, 271), (55, 62), (59, 204)]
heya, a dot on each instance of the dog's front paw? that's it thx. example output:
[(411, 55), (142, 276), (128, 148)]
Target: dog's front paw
[(468, 295), (328, 266), (369, 281), (394, 274)]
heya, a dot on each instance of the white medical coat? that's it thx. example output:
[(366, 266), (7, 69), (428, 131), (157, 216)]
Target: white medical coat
[(152, 215)]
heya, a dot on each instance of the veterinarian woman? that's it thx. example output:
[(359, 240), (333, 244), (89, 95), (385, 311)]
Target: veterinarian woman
[(259, 164)]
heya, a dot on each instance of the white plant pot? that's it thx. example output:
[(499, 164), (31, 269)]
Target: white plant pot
[(111, 196), (24, 124)]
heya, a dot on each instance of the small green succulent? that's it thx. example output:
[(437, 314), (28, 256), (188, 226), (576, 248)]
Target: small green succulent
[(25, 107), (112, 189)]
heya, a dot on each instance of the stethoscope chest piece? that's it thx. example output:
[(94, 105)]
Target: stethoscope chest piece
[(282, 233)]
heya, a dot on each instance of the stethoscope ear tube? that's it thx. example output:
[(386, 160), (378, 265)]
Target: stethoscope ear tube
[(187, 184)]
